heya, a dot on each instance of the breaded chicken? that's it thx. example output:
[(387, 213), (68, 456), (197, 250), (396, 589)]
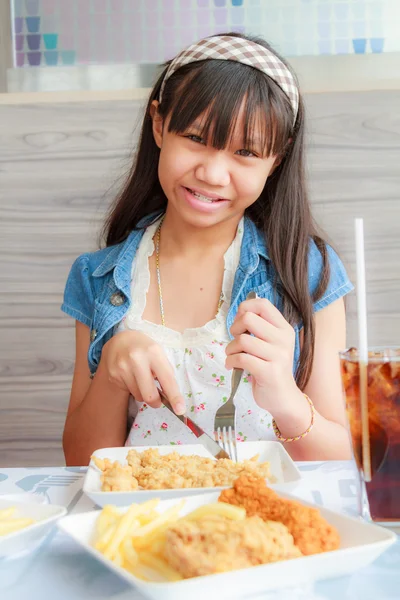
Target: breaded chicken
[(134, 461), (154, 471), (215, 544), (101, 463), (118, 479), (311, 532), (160, 479)]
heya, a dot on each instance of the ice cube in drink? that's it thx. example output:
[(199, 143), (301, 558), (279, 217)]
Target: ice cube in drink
[(383, 491)]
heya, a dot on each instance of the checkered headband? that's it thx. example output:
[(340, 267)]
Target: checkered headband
[(226, 47)]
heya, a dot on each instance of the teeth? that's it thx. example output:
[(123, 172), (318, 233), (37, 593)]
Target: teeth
[(202, 198)]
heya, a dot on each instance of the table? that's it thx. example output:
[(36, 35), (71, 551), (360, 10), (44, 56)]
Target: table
[(60, 569)]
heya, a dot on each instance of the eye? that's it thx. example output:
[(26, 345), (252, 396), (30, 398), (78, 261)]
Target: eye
[(246, 153), (195, 138)]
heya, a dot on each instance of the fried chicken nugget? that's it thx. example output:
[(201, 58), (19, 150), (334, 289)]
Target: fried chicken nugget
[(311, 532), (101, 463), (160, 479), (133, 458), (118, 479), (134, 461), (152, 457), (215, 544)]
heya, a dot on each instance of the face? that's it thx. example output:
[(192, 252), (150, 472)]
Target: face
[(205, 186)]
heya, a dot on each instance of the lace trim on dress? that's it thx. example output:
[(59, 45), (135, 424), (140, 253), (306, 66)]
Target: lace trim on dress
[(214, 329)]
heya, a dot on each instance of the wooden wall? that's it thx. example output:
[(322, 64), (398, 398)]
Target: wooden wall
[(58, 168)]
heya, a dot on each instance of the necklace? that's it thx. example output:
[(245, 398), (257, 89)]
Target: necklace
[(157, 244)]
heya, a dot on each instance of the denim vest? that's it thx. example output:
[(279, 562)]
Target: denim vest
[(98, 289)]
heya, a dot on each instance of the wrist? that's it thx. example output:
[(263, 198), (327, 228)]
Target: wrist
[(103, 382), (293, 413)]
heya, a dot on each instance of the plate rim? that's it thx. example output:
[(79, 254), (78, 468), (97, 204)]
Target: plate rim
[(59, 513)]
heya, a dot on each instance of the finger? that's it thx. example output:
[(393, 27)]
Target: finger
[(265, 309), (147, 386), (250, 322), (253, 346), (251, 364), (165, 375), (132, 386), (121, 375)]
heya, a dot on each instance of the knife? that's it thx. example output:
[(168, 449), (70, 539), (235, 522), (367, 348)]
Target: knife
[(211, 445)]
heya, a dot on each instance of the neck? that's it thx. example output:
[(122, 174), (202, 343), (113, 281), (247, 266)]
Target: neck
[(180, 237)]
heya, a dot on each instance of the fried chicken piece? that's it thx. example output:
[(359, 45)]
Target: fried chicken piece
[(215, 544), (134, 461), (101, 463), (227, 471), (152, 458), (118, 479), (311, 532), (161, 479), (171, 471), (253, 467), (196, 477), (191, 464)]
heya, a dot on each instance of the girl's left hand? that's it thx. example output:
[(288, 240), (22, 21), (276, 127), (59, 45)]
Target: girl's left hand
[(267, 354)]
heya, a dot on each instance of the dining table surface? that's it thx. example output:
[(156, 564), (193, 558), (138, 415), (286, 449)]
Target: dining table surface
[(59, 569)]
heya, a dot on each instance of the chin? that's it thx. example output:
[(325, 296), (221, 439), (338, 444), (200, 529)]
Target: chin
[(205, 221)]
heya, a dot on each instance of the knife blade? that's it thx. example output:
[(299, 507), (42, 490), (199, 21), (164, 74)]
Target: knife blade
[(211, 445)]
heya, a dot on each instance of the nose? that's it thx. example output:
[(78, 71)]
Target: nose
[(213, 169)]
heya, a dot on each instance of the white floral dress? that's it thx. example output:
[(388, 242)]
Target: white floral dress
[(198, 359)]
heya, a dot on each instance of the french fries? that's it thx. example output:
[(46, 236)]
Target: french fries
[(10, 523), (135, 539), (157, 563), (222, 509)]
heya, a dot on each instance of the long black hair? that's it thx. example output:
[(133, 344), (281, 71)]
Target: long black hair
[(217, 89)]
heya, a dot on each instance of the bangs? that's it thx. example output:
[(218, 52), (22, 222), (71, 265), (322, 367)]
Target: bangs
[(212, 93)]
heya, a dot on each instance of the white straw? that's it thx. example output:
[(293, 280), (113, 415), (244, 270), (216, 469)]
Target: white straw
[(361, 293), (362, 347)]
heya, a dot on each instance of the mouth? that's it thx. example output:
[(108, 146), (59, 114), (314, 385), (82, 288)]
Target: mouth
[(211, 199)]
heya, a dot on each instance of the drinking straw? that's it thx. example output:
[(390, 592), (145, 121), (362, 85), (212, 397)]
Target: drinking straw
[(362, 348)]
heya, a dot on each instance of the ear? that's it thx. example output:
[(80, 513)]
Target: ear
[(157, 123)]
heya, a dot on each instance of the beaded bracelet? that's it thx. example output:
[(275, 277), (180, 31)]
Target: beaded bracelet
[(297, 437)]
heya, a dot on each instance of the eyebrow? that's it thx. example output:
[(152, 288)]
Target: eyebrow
[(253, 142)]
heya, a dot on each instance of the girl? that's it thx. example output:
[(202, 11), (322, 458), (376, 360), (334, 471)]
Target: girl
[(215, 207)]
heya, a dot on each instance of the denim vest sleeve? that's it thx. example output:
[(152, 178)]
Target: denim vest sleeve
[(339, 284), (78, 295)]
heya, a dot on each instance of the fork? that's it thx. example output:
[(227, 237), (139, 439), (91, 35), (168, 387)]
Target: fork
[(53, 481), (31, 483), (224, 421)]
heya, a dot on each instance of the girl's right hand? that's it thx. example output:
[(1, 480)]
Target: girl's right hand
[(134, 361)]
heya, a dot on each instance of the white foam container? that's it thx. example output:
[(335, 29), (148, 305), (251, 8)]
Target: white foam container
[(285, 473), (361, 543)]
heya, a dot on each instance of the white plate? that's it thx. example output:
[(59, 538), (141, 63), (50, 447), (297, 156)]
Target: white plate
[(286, 474), (27, 539), (361, 543), (24, 497)]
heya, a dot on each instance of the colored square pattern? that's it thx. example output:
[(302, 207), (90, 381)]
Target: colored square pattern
[(51, 33)]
